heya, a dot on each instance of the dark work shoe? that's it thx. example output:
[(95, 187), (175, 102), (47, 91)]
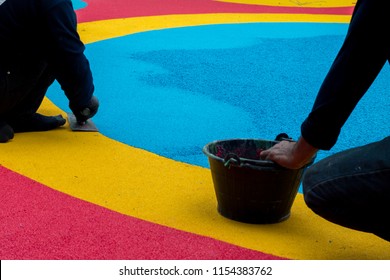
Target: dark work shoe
[(37, 122), (6, 132)]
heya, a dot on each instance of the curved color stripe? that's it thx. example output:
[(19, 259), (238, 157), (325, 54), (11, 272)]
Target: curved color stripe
[(106, 29), (297, 3), (46, 224), (115, 9), (143, 185), (138, 183), (246, 76)]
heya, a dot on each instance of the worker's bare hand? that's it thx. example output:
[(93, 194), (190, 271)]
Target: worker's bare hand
[(293, 155), (282, 154)]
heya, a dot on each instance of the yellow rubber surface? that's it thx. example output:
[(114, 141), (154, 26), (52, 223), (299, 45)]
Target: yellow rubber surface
[(141, 184)]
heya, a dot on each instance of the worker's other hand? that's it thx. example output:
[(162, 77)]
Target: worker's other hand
[(84, 113), (293, 155)]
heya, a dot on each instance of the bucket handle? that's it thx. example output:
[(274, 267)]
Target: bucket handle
[(283, 137), (232, 158)]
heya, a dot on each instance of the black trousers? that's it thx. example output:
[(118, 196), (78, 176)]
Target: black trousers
[(352, 188), (23, 85)]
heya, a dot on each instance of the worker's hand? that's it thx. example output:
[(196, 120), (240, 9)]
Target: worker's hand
[(84, 113), (293, 155)]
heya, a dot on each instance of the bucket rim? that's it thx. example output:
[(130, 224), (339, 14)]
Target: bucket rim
[(251, 163), (244, 161)]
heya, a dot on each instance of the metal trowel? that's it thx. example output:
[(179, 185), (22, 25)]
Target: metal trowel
[(87, 126)]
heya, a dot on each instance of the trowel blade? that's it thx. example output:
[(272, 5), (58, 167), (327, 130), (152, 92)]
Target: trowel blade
[(88, 126)]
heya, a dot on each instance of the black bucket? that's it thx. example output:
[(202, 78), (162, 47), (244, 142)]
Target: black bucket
[(249, 189)]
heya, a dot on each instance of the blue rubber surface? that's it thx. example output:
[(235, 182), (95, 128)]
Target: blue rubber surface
[(172, 91)]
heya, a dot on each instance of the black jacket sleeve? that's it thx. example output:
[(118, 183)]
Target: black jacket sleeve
[(364, 52), (70, 65)]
